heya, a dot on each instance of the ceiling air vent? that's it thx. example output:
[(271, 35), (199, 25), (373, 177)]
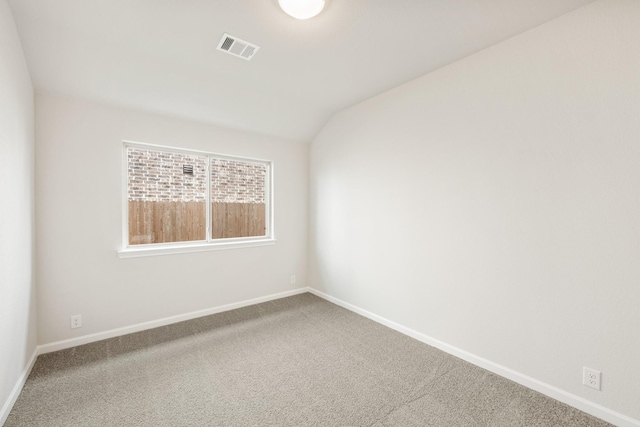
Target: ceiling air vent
[(237, 47)]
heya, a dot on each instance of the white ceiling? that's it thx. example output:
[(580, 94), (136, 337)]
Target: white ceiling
[(160, 55)]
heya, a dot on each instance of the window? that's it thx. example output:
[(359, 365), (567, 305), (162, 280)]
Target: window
[(179, 200)]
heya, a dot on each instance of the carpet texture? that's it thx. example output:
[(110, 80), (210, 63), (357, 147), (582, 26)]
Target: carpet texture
[(298, 361)]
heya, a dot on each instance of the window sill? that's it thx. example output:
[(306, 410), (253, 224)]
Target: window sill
[(135, 252)]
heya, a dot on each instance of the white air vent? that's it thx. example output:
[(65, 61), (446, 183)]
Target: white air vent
[(237, 47)]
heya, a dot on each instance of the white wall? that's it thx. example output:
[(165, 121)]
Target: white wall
[(79, 219), (494, 204), (17, 285)]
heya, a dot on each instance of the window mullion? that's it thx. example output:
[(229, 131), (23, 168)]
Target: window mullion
[(208, 199)]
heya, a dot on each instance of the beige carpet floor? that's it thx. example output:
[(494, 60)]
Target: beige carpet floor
[(298, 361)]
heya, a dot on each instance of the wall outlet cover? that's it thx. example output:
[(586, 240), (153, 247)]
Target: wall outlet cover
[(591, 378), (76, 321)]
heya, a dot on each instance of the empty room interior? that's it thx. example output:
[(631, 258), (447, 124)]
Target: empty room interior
[(320, 213)]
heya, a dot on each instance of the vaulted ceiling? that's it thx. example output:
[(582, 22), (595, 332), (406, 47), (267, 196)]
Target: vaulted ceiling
[(160, 55)]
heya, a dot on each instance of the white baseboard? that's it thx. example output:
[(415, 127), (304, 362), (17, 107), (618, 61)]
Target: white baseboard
[(17, 388), (563, 396), (578, 402), (86, 339)]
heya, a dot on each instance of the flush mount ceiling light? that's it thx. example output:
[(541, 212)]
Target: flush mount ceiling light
[(302, 9)]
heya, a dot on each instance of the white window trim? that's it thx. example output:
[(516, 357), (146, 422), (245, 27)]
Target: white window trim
[(154, 249)]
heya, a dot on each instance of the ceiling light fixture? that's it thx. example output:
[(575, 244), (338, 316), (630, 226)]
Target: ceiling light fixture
[(302, 9)]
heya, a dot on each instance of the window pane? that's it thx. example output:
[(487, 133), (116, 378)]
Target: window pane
[(238, 206), (167, 196)]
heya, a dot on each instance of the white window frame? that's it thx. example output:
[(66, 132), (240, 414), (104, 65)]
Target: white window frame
[(151, 249)]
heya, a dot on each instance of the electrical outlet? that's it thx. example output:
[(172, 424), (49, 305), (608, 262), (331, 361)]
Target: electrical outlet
[(591, 377), (76, 321), (293, 280)]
